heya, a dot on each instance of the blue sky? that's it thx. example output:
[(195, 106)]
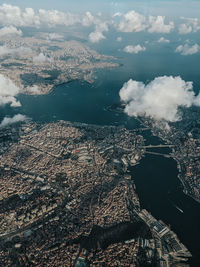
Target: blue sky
[(172, 8)]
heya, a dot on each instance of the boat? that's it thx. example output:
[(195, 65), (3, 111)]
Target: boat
[(179, 209)]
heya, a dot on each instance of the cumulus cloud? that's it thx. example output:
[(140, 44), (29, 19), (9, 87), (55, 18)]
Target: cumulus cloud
[(54, 36), (186, 49), (102, 27), (132, 22), (119, 39), (160, 99), (117, 14), (96, 36), (163, 40), (33, 89), (134, 49), (16, 118), (88, 19), (10, 30), (13, 15), (157, 25), (197, 100), (99, 27), (41, 58), (135, 22), (190, 25), (8, 92), (184, 28), (4, 50), (55, 17)]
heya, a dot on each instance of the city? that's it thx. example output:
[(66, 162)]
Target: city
[(74, 177)]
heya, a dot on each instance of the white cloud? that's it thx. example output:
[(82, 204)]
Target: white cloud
[(197, 100), (134, 49), (16, 118), (10, 30), (95, 37), (184, 28), (4, 50), (190, 25), (52, 18), (119, 39), (135, 22), (99, 27), (41, 58), (132, 22), (157, 25), (160, 99), (13, 15), (88, 19), (163, 40), (54, 36), (33, 89), (186, 50), (117, 14), (102, 27), (8, 92)]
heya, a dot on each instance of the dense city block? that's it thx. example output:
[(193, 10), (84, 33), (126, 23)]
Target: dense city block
[(67, 198)]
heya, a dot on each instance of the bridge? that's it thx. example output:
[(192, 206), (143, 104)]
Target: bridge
[(158, 154), (157, 146)]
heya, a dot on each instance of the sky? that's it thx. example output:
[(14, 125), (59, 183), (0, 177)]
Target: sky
[(171, 8)]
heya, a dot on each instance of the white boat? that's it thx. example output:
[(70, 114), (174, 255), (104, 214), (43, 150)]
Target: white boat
[(179, 209)]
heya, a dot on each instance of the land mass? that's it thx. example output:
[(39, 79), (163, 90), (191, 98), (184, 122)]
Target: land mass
[(67, 199), (183, 137), (36, 64)]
